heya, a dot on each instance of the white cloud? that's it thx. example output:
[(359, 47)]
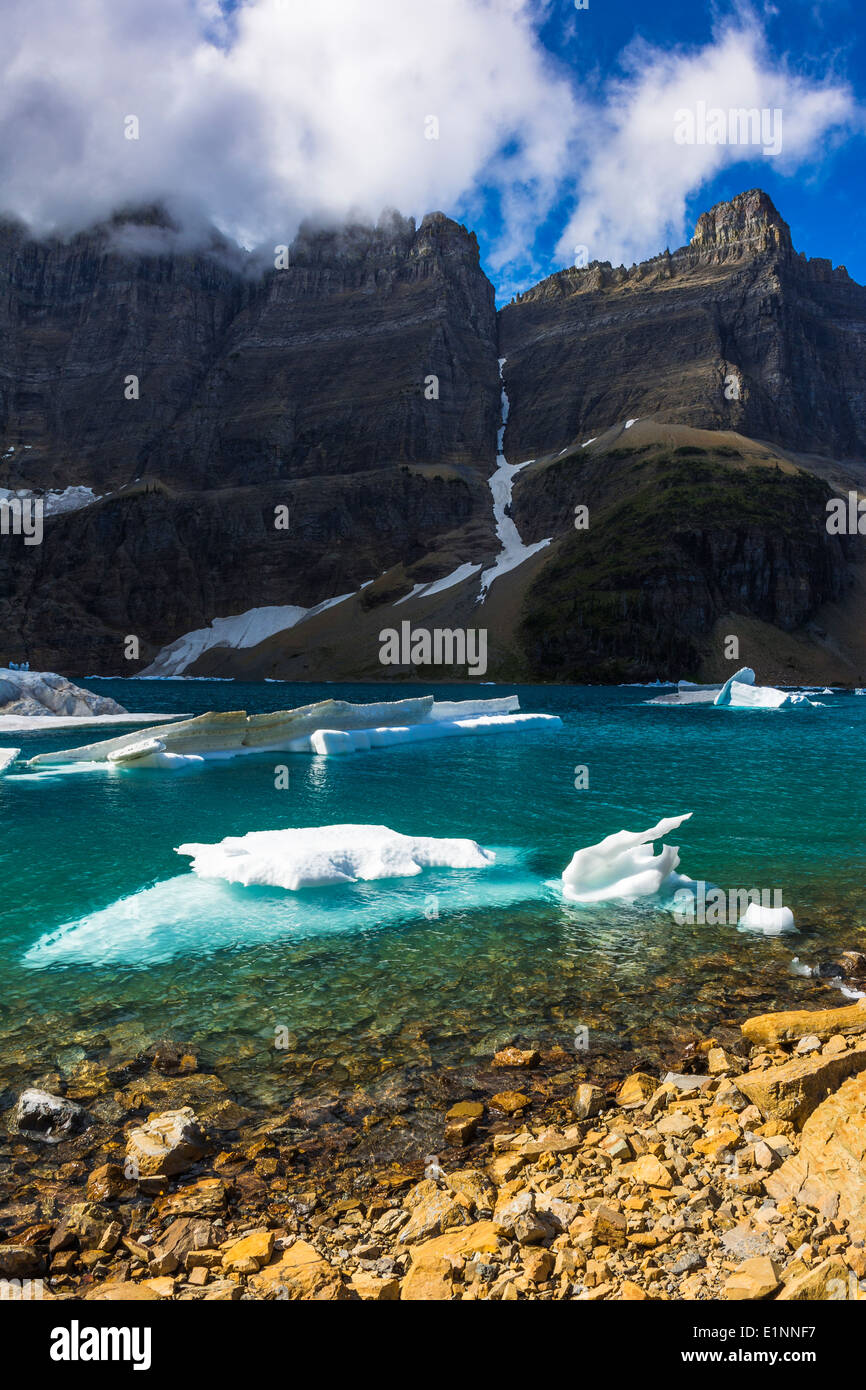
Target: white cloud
[(285, 109), (632, 191)]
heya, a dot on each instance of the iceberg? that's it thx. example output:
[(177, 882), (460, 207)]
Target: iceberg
[(190, 915), (770, 921), (7, 758), (37, 694), (313, 857), (326, 728), (738, 692), (623, 865)]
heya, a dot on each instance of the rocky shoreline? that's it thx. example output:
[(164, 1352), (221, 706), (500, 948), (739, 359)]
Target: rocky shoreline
[(740, 1175)]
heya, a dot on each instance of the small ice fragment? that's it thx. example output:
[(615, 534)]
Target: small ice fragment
[(771, 921)]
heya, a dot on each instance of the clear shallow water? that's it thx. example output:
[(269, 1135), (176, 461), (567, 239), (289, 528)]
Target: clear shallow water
[(369, 975)]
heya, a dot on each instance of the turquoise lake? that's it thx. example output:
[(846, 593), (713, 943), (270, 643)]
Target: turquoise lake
[(434, 968)]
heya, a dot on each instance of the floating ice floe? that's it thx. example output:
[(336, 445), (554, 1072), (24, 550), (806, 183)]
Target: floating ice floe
[(326, 728), (35, 694), (330, 854), (624, 865), (739, 692), (7, 758), (769, 921), (194, 915)]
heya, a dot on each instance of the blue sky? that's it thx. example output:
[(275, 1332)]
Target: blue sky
[(543, 127), (823, 198)]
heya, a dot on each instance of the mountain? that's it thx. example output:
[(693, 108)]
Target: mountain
[(327, 430)]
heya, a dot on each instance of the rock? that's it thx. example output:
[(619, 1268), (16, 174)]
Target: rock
[(167, 1144), (430, 1274), (300, 1273), (743, 1242), (371, 1287), (607, 1227), (466, 1110), (829, 1281), (755, 1279), (677, 1124), (721, 1142), (588, 1101), (832, 1158), (719, 1063), (538, 1265), (20, 1262), (616, 1146), (106, 1183), (652, 1171), (636, 1089), (249, 1253), (48, 1119), (514, 1057), (205, 1197), (505, 1167), (792, 1090), (433, 1210), (517, 1218), (768, 1029), (684, 1081), (460, 1132), (88, 1226), (122, 1291), (632, 1292), (512, 1102), (474, 1189), (183, 1235), (812, 1043), (692, 1259)]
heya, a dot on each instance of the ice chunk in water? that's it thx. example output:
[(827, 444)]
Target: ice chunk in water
[(771, 921), (328, 854), (623, 865)]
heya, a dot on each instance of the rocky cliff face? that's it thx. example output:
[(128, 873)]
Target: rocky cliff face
[(735, 331), (357, 386), (355, 391)]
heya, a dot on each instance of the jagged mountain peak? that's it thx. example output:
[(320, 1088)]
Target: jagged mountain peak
[(749, 220)]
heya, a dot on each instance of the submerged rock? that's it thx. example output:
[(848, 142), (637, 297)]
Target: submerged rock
[(41, 1116)]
